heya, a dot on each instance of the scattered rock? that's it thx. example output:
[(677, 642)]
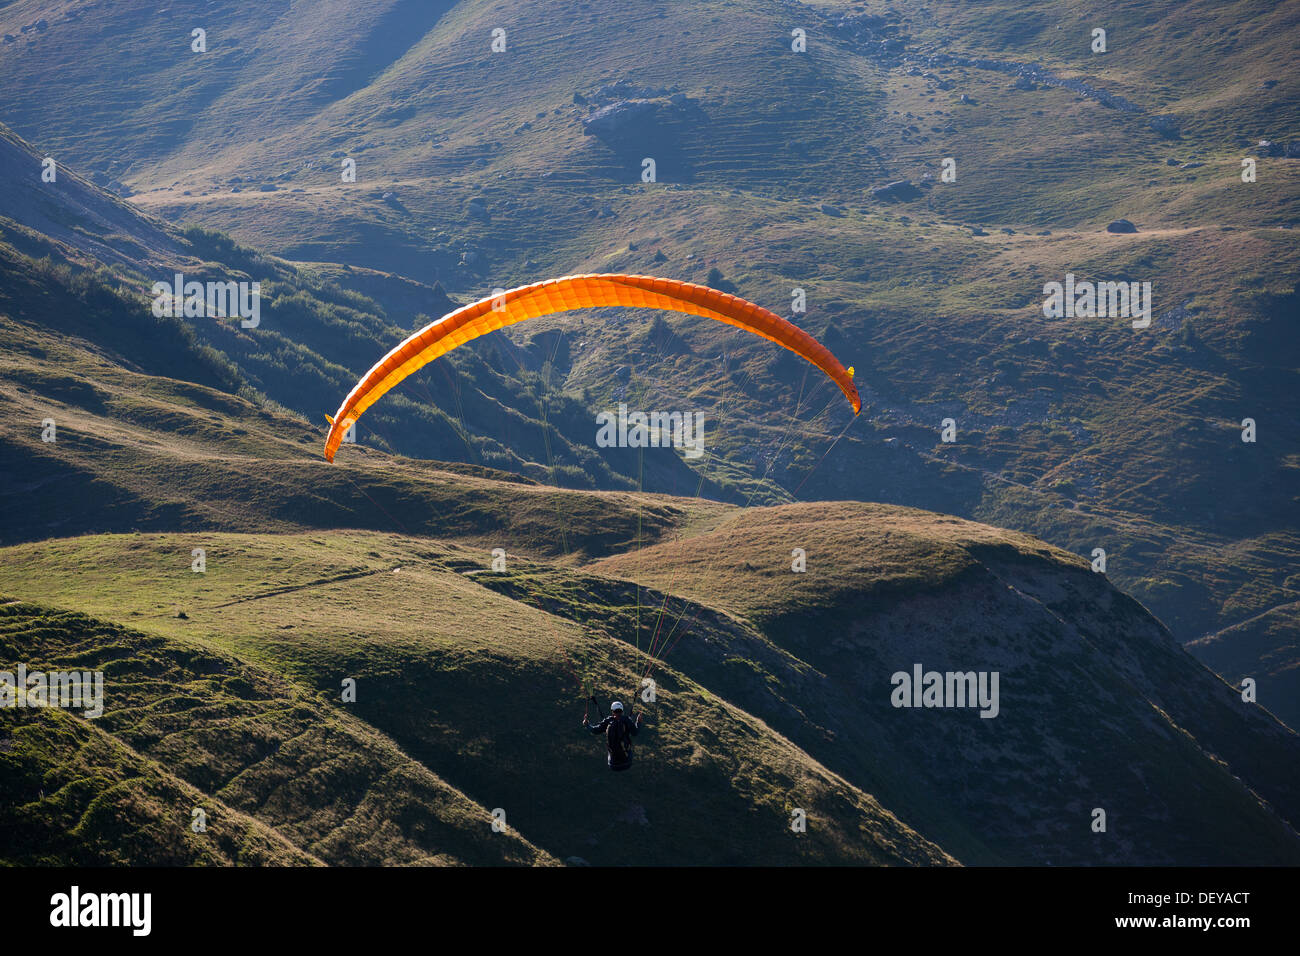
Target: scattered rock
[(1171, 162), (829, 210), (1173, 320), (1121, 225)]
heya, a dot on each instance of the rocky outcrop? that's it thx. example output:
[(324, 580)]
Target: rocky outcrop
[(901, 190), (621, 119)]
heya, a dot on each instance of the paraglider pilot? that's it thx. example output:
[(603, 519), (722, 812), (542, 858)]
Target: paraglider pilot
[(619, 731)]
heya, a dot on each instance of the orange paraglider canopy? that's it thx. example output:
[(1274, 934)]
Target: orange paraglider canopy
[(576, 292)]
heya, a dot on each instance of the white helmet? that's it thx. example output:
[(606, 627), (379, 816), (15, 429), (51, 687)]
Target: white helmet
[(616, 706)]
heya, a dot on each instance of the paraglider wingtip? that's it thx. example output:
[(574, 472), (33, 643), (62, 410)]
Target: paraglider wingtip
[(329, 418)]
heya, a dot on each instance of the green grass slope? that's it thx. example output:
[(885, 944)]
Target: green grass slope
[(479, 169), (283, 777), (440, 662), (886, 589), (476, 168)]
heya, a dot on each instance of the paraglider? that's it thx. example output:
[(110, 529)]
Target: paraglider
[(618, 729), (576, 292)]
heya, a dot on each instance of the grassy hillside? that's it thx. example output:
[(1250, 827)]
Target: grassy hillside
[(253, 719), (778, 702), (482, 169), (263, 758), (479, 169), (888, 588)]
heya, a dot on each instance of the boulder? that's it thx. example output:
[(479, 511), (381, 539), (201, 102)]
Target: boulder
[(1121, 225)]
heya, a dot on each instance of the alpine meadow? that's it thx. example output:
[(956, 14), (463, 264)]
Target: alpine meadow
[(893, 406)]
